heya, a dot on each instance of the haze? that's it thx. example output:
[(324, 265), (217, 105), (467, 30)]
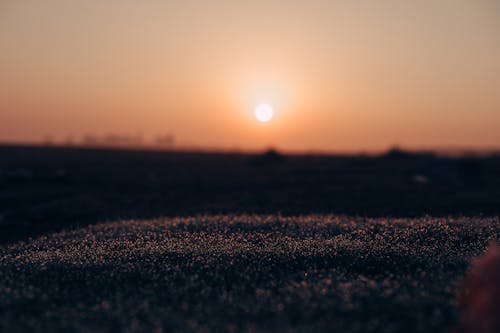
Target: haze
[(341, 75)]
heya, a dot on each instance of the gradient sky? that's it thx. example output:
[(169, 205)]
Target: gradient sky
[(342, 75)]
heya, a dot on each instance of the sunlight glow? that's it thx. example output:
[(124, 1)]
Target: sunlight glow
[(264, 112)]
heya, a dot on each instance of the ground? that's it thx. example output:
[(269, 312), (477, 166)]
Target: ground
[(47, 189), (239, 273)]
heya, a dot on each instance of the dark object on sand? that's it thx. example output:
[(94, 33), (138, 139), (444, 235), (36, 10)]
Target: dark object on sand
[(480, 295)]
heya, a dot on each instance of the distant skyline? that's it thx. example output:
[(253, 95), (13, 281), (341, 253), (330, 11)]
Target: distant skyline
[(340, 75)]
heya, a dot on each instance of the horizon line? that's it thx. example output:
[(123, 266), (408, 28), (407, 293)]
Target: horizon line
[(445, 151)]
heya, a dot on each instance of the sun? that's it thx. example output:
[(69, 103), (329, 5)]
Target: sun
[(264, 112)]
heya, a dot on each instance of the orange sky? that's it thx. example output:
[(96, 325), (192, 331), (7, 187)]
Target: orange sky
[(341, 75)]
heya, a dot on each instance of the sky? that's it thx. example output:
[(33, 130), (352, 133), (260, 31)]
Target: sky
[(340, 75)]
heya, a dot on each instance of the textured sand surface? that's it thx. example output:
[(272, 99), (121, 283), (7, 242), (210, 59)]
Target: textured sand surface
[(243, 273)]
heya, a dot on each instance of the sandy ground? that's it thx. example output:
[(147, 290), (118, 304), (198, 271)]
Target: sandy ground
[(243, 273)]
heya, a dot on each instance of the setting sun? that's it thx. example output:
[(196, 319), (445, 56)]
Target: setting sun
[(264, 112)]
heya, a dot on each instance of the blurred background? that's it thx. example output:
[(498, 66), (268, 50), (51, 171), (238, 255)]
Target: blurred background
[(342, 76), (126, 109)]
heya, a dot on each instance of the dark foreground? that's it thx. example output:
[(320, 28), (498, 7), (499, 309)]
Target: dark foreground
[(49, 189), (242, 273)]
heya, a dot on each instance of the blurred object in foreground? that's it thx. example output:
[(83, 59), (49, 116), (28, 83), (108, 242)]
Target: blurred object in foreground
[(479, 297)]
